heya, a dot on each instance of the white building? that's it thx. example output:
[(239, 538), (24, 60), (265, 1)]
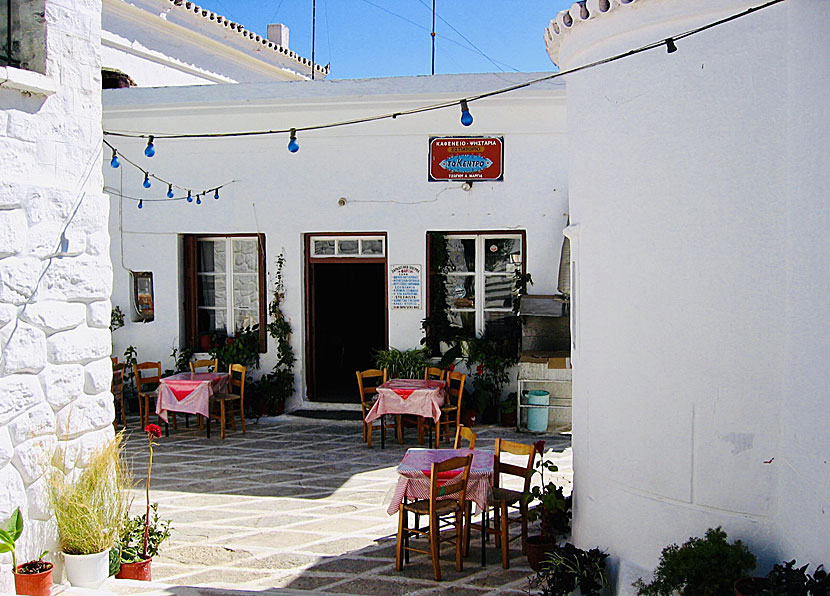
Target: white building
[(157, 43), (55, 369), (699, 225), (349, 206)]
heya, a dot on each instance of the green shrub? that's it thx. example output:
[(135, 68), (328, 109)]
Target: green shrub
[(706, 566)]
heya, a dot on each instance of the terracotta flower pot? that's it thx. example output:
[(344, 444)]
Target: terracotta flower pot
[(508, 419), (537, 551), (34, 584), (139, 570)]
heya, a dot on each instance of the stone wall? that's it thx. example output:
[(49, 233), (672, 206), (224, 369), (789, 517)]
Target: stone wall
[(54, 310)]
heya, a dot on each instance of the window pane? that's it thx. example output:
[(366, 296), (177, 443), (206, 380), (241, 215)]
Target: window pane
[(211, 256), (323, 247), (211, 320), (245, 257), (502, 254), (212, 291), (246, 292), (462, 254), (347, 247), (465, 322), (372, 247), (461, 291), (498, 291), (244, 318)]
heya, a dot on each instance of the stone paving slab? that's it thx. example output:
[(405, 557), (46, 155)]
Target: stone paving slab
[(297, 506)]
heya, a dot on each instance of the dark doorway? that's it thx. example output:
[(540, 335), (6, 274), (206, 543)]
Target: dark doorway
[(347, 308)]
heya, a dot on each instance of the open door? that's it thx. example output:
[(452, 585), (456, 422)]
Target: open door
[(347, 312)]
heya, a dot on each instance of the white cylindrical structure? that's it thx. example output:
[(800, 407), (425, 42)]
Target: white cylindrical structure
[(699, 247)]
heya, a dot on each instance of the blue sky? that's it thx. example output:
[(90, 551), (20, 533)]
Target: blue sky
[(379, 38)]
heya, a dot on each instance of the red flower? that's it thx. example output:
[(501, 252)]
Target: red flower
[(480, 369), (540, 446), (153, 429), (451, 367)]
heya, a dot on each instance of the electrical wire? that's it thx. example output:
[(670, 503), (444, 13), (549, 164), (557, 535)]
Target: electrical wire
[(450, 103)]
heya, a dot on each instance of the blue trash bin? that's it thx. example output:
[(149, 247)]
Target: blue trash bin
[(537, 418)]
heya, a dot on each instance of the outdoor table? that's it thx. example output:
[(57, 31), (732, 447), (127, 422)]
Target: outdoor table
[(414, 482), (189, 393), (419, 397)]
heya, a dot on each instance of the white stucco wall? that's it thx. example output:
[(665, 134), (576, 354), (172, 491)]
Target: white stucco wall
[(699, 209), (54, 312), (159, 43), (380, 168)]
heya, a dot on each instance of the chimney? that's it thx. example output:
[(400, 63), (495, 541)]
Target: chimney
[(278, 33)]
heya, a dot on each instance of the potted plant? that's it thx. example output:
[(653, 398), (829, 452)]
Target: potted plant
[(89, 505), (707, 566), (569, 568), (141, 536), (785, 579), (507, 408), (552, 509), (33, 578)]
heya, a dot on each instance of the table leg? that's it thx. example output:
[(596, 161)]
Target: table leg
[(406, 532), (207, 425), (484, 524), (383, 431), (166, 430)]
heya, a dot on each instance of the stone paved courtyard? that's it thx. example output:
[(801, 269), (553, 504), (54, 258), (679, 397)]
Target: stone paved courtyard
[(299, 506)]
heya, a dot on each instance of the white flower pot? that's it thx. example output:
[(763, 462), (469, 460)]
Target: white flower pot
[(87, 571)]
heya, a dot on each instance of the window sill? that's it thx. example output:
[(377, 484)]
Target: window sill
[(27, 81)]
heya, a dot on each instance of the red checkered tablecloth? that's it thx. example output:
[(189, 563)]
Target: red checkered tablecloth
[(189, 392), (414, 472), (409, 396)]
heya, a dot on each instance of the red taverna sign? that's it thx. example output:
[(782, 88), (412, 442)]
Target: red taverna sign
[(466, 158)]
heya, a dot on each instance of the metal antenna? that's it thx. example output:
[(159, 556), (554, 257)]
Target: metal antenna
[(433, 36), (313, 33)]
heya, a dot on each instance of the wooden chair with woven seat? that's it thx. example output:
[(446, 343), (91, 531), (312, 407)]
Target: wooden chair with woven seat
[(367, 386), (209, 365), (117, 389), (430, 373), (445, 481), (451, 410), (147, 376), (503, 499), (227, 404), (464, 432)]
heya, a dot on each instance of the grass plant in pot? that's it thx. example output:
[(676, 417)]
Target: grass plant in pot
[(142, 535), (552, 509), (89, 505), (707, 566), (568, 568), (34, 577)]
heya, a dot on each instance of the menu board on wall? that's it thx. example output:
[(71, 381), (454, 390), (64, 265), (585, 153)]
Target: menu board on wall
[(406, 286)]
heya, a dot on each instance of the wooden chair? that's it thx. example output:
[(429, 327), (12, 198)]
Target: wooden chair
[(435, 373), (442, 485), (210, 365), (147, 387), (503, 499), (464, 432), (117, 389), (451, 410), (231, 402), (367, 386)]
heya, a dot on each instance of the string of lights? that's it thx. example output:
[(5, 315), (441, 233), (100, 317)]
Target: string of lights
[(293, 146)]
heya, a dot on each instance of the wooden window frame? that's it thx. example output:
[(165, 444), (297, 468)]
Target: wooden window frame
[(191, 287)]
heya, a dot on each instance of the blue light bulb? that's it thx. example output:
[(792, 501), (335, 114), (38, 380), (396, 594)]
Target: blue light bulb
[(466, 117), (216, 194), (189, 197), (150, 150), (170, 191), (141, 204), (293, 145), (114, 161), (147, 181), (198, 199)]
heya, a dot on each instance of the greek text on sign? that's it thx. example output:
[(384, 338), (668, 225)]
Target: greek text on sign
[(406, 286), (466, 158)]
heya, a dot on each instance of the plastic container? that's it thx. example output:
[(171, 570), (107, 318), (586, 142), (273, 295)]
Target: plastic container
[(537, 418)]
